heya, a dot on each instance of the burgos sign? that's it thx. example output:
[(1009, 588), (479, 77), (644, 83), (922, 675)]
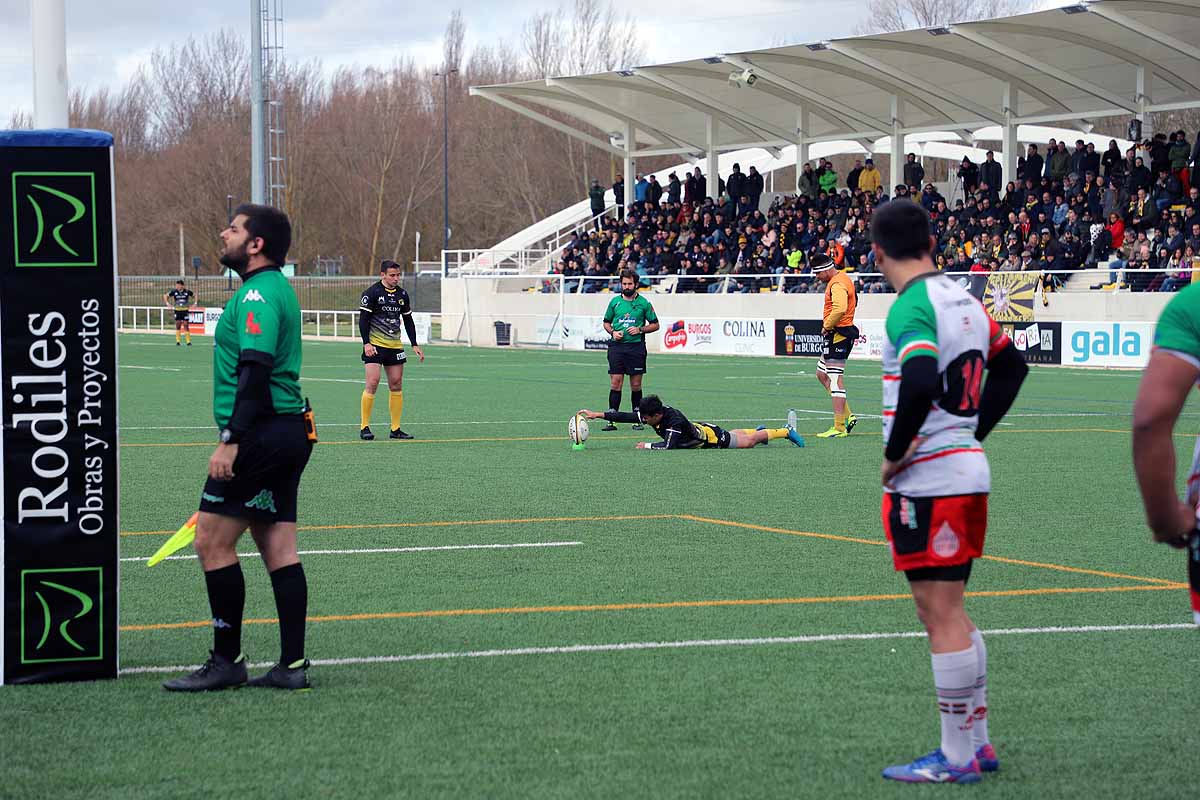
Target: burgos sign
[(719, 336), (1107, 344)]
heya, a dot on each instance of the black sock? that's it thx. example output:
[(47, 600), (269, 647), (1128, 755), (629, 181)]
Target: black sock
[(614, 400), (227, 599), (291, 601), (636, 396)]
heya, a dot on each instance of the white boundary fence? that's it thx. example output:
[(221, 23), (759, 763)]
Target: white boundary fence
[(316, 324)]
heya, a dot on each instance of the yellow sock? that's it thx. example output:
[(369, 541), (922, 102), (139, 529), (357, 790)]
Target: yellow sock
[(776, 433), (176, 337), (839, 422), (368, 402), (187, 336), (396, 407), (849, 413)]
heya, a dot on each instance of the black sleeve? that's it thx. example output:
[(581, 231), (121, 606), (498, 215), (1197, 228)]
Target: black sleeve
[(364, 325), (631, 417), (919, 387), (410, 327), (253, 397), (364, 316), (1006, 372), (669, 442)]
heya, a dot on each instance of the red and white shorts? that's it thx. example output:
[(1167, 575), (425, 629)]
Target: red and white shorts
[(934, 531)]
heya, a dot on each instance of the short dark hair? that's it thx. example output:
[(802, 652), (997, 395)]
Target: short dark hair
[(629, 273), (272, 226), (387, 264), (650, 406), (901, 230), (180, 282)]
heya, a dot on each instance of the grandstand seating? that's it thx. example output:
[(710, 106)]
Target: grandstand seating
[(1125, 214)]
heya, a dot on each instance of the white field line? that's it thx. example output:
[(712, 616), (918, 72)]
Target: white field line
[(388, 550), (153, 369), (677, 645), (475, 422)]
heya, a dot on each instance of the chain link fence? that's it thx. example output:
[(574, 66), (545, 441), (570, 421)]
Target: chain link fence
[(316, 293)]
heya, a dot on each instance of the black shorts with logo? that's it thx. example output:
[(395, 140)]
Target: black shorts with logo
[(266, 473), (181, 315), (385, 356), (627, 358), (841, 350)]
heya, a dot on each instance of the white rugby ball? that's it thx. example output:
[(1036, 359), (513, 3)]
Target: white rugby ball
[(577, 429)]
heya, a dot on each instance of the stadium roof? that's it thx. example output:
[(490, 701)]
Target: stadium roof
[(1069, 65)]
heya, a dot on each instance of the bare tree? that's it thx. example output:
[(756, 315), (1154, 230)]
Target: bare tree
[(901, 15)]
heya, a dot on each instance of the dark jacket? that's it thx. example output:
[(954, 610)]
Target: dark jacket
[(991, 173), (914, 173), (1033, 167)]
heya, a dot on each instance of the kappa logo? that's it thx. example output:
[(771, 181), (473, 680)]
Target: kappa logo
[(263, 501), (61, 615), (252, 327), (253, 296), (54, 219)]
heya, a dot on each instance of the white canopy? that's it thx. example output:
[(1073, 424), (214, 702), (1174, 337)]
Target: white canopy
[(1069, 65)]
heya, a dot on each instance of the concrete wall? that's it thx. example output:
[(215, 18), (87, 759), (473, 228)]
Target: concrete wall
[(488, 303)]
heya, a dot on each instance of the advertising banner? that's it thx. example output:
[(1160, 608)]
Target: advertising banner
[(1039, 343), (799, 337), (1107, 344), (753, 337), (58, 444), (871, 336)]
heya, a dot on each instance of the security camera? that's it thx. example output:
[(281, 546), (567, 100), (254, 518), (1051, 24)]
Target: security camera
[(744, 78)]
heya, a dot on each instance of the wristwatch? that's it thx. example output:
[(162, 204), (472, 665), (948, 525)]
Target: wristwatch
[(228, 437)]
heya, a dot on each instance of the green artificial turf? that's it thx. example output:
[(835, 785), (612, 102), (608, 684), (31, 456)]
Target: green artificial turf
[(765, 544)]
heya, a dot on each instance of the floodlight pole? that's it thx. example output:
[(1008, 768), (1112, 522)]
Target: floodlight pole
[(445, 76), (49, 33), (258, 160)]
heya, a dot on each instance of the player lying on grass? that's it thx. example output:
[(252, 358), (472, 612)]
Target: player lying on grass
[(680, 434)]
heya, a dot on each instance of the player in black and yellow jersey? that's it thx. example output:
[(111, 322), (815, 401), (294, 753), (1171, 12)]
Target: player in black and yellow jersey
[(180, 299), (386, 309), (679, 433)]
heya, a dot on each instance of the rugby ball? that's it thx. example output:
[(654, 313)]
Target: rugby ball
[(577, 429)]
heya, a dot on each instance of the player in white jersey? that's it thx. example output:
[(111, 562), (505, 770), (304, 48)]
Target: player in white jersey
[(1173, 370), (937, 411)]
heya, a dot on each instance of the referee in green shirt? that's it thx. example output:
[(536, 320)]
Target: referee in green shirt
[(254, 474), (628, 318)]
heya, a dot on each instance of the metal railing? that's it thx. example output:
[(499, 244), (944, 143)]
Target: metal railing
[(457, 263), (332, 324)]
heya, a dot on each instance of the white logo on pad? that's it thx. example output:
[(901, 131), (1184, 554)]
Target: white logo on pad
[(945, 543), (254, 296)]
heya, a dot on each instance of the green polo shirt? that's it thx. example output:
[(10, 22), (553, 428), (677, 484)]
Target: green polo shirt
[(623, 314), (263, 316)]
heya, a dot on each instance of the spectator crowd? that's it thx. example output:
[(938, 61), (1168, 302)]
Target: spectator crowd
[(1067, 209)]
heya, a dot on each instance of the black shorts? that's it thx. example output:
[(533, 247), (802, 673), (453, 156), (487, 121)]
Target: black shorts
[(266, 473), (627, 358), (841, 350), (958, 572), (385, 356), (712, 435), (181, 315)]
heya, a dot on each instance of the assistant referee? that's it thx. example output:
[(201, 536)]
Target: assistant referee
[(628, 318), (265, 442)]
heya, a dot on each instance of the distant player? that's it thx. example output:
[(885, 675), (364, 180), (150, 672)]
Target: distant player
[(1173, 370), (384, 310), (628, 318), (180, 299), (837, 326), (937, 411), (678, 433)]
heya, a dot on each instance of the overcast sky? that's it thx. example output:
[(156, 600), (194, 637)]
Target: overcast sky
[(107, 40)]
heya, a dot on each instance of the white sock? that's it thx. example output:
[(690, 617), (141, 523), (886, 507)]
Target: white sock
[(979, 726), (954, 678)]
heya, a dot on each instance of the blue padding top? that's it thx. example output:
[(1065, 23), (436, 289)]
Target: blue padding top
[(56, 137)]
